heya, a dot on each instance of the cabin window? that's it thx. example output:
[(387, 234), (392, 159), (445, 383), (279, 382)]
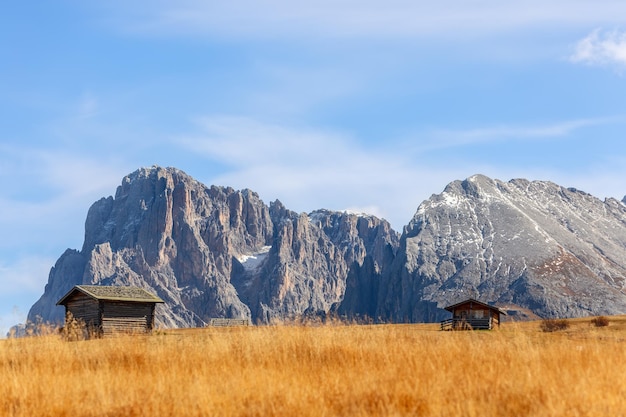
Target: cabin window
[(479, 314)]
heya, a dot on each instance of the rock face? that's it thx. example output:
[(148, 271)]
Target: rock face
[(527, 245), (216, 252)]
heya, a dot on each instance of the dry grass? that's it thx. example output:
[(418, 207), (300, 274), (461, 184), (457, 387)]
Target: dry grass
[(554, 325), (332, 370)]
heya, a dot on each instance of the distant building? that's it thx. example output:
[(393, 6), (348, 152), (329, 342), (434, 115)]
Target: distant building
[(221, 322), (107, 310), (472, 314)]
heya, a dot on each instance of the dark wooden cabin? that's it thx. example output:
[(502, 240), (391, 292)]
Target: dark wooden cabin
[(107, 310), (472, 314)]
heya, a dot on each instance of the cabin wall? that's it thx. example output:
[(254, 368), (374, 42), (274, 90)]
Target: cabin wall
[(126, 317), (85, 308), (495, 317)]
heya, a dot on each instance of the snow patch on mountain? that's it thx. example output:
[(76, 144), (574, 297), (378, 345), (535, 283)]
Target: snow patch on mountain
[(252, 261)]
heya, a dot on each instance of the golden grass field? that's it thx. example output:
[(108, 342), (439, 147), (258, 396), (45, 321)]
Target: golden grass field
[(322, 370)]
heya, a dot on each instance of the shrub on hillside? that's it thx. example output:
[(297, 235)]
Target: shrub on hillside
[(553, 325), (600, 321), (74, 328)]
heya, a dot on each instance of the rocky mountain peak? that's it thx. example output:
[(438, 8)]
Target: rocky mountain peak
[(212, 251), (215, 251), (555, 250)]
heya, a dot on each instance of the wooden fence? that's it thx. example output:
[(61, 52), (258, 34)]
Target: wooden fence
[(219, 322), (467, 324)]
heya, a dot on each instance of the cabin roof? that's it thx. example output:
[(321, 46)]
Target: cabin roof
[(471, 300), (113, 293)]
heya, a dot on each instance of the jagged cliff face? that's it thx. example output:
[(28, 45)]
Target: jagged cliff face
[(557, 252), (215, 252), (530, 247)]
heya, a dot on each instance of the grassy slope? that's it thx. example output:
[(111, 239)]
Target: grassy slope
[(322, 370)]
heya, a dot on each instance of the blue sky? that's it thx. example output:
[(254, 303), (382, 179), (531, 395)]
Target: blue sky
[(360, 105)]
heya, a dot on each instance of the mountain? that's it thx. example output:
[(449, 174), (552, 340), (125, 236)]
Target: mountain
[(534, 248), (216, 252)]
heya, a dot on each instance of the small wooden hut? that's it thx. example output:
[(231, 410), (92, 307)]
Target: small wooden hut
[(106, 310), (472, 314)]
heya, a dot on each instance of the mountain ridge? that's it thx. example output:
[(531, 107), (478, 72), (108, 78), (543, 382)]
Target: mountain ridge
[(166, 231), (513, 243), (217, 252)]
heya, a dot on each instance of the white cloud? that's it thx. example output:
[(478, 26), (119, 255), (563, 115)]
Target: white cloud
[(604, 48), (24, 275), (353, 18), (242, 141), (67, 173), (45, 192), (448, 138)]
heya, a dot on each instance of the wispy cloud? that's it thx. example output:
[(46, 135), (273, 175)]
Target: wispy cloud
[(41, 185), (447, 138), (310, 168), (241, 140), (24, 275), (350, 18)]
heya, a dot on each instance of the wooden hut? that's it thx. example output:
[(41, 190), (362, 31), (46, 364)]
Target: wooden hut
[(106, 310), (472, 314)]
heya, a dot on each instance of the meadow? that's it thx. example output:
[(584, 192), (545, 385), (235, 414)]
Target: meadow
[(322, 370)]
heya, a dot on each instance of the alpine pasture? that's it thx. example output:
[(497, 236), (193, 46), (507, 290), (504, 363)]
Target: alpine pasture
[(322, 370)]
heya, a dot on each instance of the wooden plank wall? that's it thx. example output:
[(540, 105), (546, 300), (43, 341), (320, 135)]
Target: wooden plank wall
[(126, 317), (84, 308)]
